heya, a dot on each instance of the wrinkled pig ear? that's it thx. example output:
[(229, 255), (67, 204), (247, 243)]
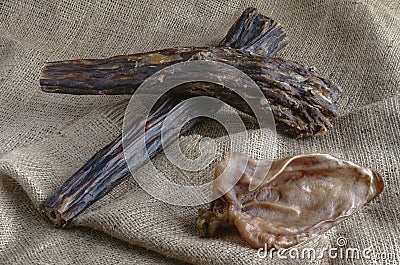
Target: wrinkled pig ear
[(302, 197), (254, 32)]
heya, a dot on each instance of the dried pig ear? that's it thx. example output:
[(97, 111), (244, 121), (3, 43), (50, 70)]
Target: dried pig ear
[(300, 197)]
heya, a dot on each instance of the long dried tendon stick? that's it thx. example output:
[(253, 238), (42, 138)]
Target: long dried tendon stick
[(303, 103), (108, 167)]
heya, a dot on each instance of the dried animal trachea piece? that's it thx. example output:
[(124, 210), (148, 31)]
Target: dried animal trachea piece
[(300, 197)]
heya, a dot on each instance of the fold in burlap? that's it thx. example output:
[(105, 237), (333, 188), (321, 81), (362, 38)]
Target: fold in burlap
[(46, 137)]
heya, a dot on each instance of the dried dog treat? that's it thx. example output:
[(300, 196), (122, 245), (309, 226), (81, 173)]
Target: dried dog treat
[(108, 167), (299, 198), (303, 103), (252, 32)]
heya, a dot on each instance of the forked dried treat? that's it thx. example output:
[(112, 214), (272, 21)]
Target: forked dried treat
[(303, 103), (299, 198)]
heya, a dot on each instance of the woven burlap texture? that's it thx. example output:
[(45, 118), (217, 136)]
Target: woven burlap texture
[(45, 138)]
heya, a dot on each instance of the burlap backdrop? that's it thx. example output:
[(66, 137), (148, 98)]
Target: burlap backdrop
[(45, 138)]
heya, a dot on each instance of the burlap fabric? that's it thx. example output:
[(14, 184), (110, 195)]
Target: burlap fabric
[(47, 137)]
